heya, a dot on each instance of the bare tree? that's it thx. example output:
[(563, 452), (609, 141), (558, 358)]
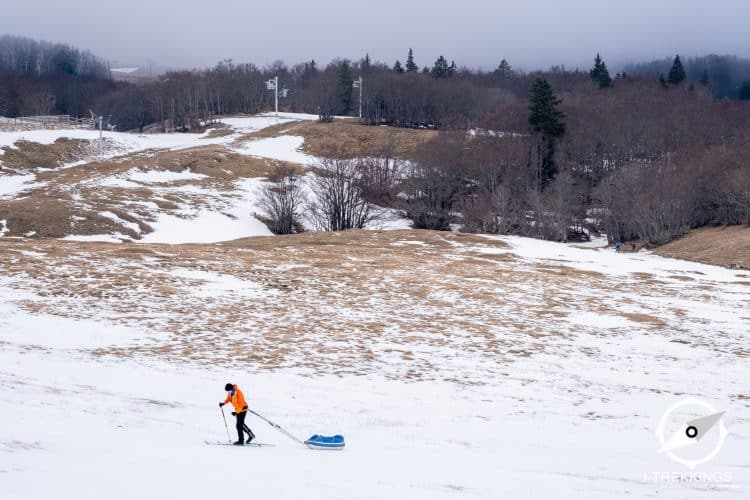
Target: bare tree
[(282, 200), (338, 196), (558, 211), (429, 195), (734, 197), (382, 173)]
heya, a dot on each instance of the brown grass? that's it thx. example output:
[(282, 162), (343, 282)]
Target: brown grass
[(69, 201), (31, 155), (721, 246), (643, 318), (349, 139), (316, 297), (219, 130), (214, 161), (51, 217)]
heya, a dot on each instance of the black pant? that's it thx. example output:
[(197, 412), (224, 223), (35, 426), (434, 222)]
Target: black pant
[(242, 427)]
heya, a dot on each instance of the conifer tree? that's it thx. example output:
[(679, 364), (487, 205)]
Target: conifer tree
[(440, 69), (397, 68), (452, 68), (662, 81), (599, 73), (604, 79), (677, 72), (366, 65), (308, 72), (546, 120), (504, 70), (410, 64), (345, 89), (596, 70)]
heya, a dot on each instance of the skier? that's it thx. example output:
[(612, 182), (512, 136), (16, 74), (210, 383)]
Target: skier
[(235, 396)]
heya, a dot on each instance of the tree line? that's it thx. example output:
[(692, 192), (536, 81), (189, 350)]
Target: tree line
[(728, 76), (42, 78)]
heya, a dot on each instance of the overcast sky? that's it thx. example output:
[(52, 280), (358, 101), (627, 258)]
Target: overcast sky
[(476, 33)]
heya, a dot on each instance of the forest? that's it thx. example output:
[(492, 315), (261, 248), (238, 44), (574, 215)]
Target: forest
[(643, 155)]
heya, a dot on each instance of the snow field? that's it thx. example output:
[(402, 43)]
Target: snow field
[(573, 421)]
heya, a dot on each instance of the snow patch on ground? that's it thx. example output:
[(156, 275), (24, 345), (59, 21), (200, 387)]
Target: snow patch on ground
[(606, 260), (204, 227), (43, 136), (125, 142), (210, 284), (133, 178), (12, 185), (100, 238), (162, 176), (210, 226), (21, 329), (282, 148), (390, 220), (130, 225)]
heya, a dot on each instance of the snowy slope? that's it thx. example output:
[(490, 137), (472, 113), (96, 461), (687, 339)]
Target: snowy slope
[(282, 148), (12, 185), (129, 142), (205, 212), (88, 404), (208, 226)]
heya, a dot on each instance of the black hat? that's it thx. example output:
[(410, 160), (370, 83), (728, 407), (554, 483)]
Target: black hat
[(228, 387)]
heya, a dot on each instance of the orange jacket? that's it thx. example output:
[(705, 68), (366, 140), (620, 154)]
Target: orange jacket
[(238, 400)]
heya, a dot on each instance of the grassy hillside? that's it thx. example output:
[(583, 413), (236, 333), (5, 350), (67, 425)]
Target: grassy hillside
[(721, 246)]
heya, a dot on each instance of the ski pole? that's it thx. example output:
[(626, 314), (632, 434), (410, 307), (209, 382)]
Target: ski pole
[(277, 427), (225, 423)]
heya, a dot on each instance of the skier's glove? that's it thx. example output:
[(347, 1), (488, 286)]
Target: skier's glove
[(234, 413), (221, 404), (245, 408)]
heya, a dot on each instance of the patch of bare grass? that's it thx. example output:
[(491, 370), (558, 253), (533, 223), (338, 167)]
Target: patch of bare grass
[(727, 246), (350, 139), (643, 318), (25, 155)]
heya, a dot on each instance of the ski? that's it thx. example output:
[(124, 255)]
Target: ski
[(222, 443)]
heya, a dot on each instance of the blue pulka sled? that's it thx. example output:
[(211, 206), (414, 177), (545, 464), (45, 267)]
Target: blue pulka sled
[(326, 442), (315, 441)]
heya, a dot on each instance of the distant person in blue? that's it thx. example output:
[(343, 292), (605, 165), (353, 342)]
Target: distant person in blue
[(618, 246)]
